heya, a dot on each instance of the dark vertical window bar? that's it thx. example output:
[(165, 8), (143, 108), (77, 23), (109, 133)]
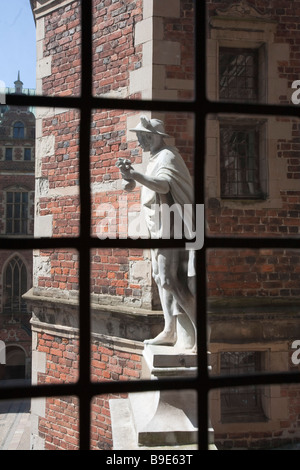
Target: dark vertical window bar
[(85, 224), (199, 188)]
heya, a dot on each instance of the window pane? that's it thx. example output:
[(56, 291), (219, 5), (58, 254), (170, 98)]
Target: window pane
[(60, 418), (55, 278), (138, 431), (275, 432), (247, 63), (60, 30), (15, 422), (127, 64), (57, 187), (17, 211), (9, 211), (9, 229), (251, 176), (17, 229)]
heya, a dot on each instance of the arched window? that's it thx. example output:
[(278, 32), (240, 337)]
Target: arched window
[(19, 132), (14, 286)]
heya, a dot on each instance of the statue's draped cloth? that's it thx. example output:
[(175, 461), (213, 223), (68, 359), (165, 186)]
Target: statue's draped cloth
[(168, 165)]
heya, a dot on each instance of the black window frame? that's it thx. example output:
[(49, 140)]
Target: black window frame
[(200, 107)]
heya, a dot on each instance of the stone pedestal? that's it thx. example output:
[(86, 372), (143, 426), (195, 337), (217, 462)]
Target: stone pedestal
[(166, 417), (160, 418)]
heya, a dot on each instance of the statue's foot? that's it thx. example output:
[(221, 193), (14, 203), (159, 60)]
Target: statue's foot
[(165, 338)]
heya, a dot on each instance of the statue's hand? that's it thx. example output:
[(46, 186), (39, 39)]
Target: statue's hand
[(125, 168)]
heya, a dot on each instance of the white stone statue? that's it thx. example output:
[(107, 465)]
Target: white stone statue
[(167, 184)]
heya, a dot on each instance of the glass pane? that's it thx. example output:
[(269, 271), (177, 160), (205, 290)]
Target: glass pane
[(119, 204), (20, 187), (251, 174), (15, 315), (253, 298), (17, 211), (264, 421), (16, 229), (15, 422), (146, 421), (49, 355), (57, 178), (58, 49), (128, 64), (9, 211), (247, 63)]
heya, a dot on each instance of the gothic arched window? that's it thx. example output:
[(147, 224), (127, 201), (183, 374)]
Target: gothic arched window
[(14, 286)]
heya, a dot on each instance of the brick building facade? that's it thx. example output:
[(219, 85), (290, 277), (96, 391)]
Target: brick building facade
[(144, 49), (17, 153)]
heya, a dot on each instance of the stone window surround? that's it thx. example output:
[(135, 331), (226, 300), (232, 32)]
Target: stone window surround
[(274, 404), (262, 151), (249, 33)]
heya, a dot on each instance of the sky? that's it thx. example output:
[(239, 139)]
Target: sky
[(18, 46)]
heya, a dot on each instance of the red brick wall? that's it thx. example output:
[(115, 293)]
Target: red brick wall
[(254, 273), (63, 42)]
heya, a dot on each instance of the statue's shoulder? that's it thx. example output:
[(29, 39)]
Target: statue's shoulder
[(168, 153)]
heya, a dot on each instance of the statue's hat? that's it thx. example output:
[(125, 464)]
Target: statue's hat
[(154, 126)]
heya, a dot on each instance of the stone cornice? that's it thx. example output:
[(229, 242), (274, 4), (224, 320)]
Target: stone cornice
[(108, 321), (42, 8)]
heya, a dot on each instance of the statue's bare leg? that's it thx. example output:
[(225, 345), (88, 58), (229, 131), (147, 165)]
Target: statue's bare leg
[(168, 335)]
